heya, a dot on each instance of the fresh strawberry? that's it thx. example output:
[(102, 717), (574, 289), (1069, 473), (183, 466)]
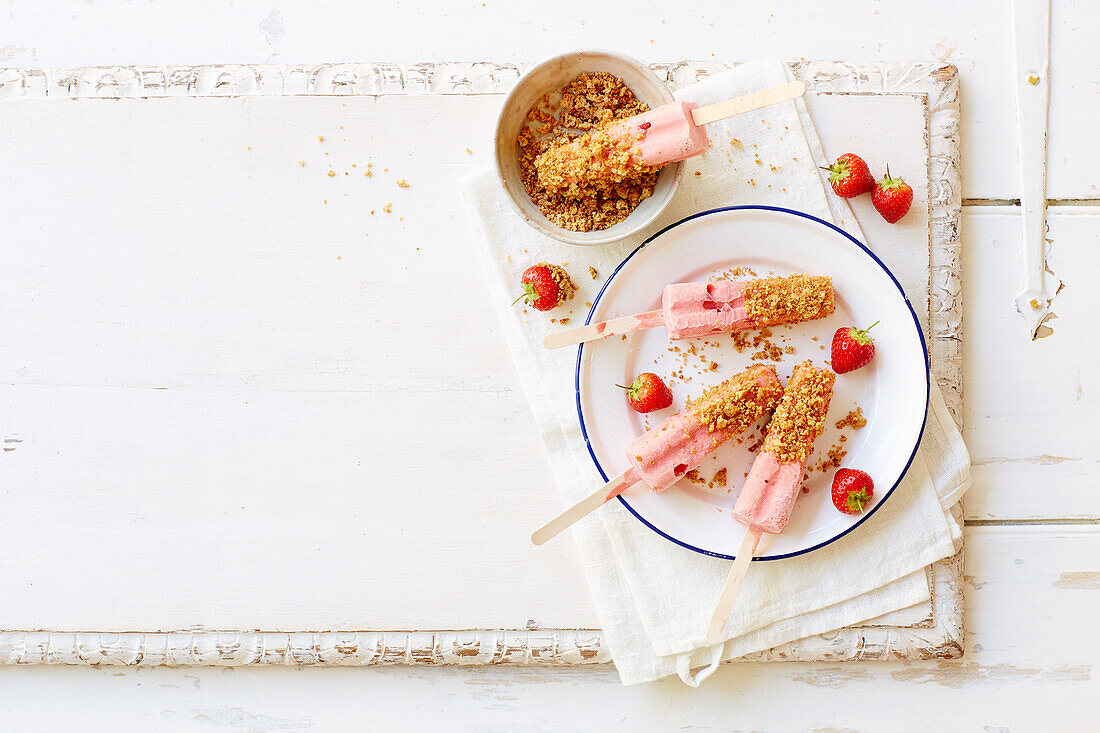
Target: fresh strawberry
[(892, 197), (545, 286), (850, 176), (852, 348), (648, 393), (852, 490)]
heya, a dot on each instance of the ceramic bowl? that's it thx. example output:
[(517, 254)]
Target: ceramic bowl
[(551, 75)]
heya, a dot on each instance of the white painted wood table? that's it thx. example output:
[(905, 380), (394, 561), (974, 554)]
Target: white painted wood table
[(1033, 549)]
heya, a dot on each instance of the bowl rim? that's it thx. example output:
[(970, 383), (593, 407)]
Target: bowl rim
[(551, 230)]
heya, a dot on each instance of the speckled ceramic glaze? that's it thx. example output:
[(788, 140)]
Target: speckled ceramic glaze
[(551, 75)]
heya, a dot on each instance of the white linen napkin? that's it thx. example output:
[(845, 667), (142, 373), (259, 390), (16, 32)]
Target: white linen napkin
[(654, 598)]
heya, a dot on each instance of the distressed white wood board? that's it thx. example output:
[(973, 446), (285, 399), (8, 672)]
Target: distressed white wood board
[(1030, 415), (1032, 597), (241, 407), (974, 36), (210, 347)]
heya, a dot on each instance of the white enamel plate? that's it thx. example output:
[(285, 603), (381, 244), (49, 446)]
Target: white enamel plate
[(892, 391)]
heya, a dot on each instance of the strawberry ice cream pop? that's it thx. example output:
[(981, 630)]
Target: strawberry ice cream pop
[(766, 500), (645, 142), (773, 483), (661, 456), (689, 310)]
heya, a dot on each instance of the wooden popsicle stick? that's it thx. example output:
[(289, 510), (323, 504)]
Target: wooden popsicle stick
[(749, 102), (585, 506), (603, 329), (740, 569)]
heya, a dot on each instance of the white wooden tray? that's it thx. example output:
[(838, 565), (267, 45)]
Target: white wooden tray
[(91, 630)]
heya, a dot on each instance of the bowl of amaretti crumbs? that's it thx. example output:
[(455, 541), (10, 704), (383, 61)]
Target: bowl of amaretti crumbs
[(556, 109)]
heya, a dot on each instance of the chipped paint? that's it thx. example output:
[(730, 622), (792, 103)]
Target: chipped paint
[(959, 675), (1041, 460), (244, 720), (974, 582), (831, 677), (1078, 581)]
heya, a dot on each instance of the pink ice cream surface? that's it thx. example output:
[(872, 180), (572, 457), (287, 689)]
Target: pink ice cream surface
[(769, 493), (700, 309), (664, 454), (664, 135)]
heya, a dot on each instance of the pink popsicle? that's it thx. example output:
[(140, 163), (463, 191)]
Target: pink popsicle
[(703, 308), (773, 483), (645, 142), (638, 144), (661, 456)]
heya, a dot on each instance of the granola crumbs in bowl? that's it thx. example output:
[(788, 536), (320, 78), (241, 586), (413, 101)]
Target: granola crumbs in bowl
[(561, 100)]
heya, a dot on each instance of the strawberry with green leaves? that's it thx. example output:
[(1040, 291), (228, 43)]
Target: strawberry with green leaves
[(892, 197), (648, 393), (545, 286), (852, 490), (850, 176), (852, 349)]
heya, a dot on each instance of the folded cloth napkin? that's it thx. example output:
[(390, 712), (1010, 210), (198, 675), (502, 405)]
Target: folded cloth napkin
[(654, 598)]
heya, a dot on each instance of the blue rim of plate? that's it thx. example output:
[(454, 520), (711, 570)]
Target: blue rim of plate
[(869, 253)]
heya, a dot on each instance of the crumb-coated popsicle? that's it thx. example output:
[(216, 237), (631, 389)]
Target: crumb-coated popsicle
[(689, 310), (645, 142), (661, 456), (773, 483)]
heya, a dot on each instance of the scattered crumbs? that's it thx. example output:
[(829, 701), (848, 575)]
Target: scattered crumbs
[(372, 212), (320, 138), (712, 367), (563, 321), (331, 174), (469, 152), (757, 159), (623, 337), (324, 201), (581, 111), (345, 173), (587, 304), (752, 182), (401, 182), (249, 147), (553, 320), (832, 459), (508, 258), (367, 173), (698, 173), (387, 207), (592, 272), (854, 419), (694, 477), (353, 165), (301, 163), (385, 170), (772, 166), (735, 143), (720, 477)]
